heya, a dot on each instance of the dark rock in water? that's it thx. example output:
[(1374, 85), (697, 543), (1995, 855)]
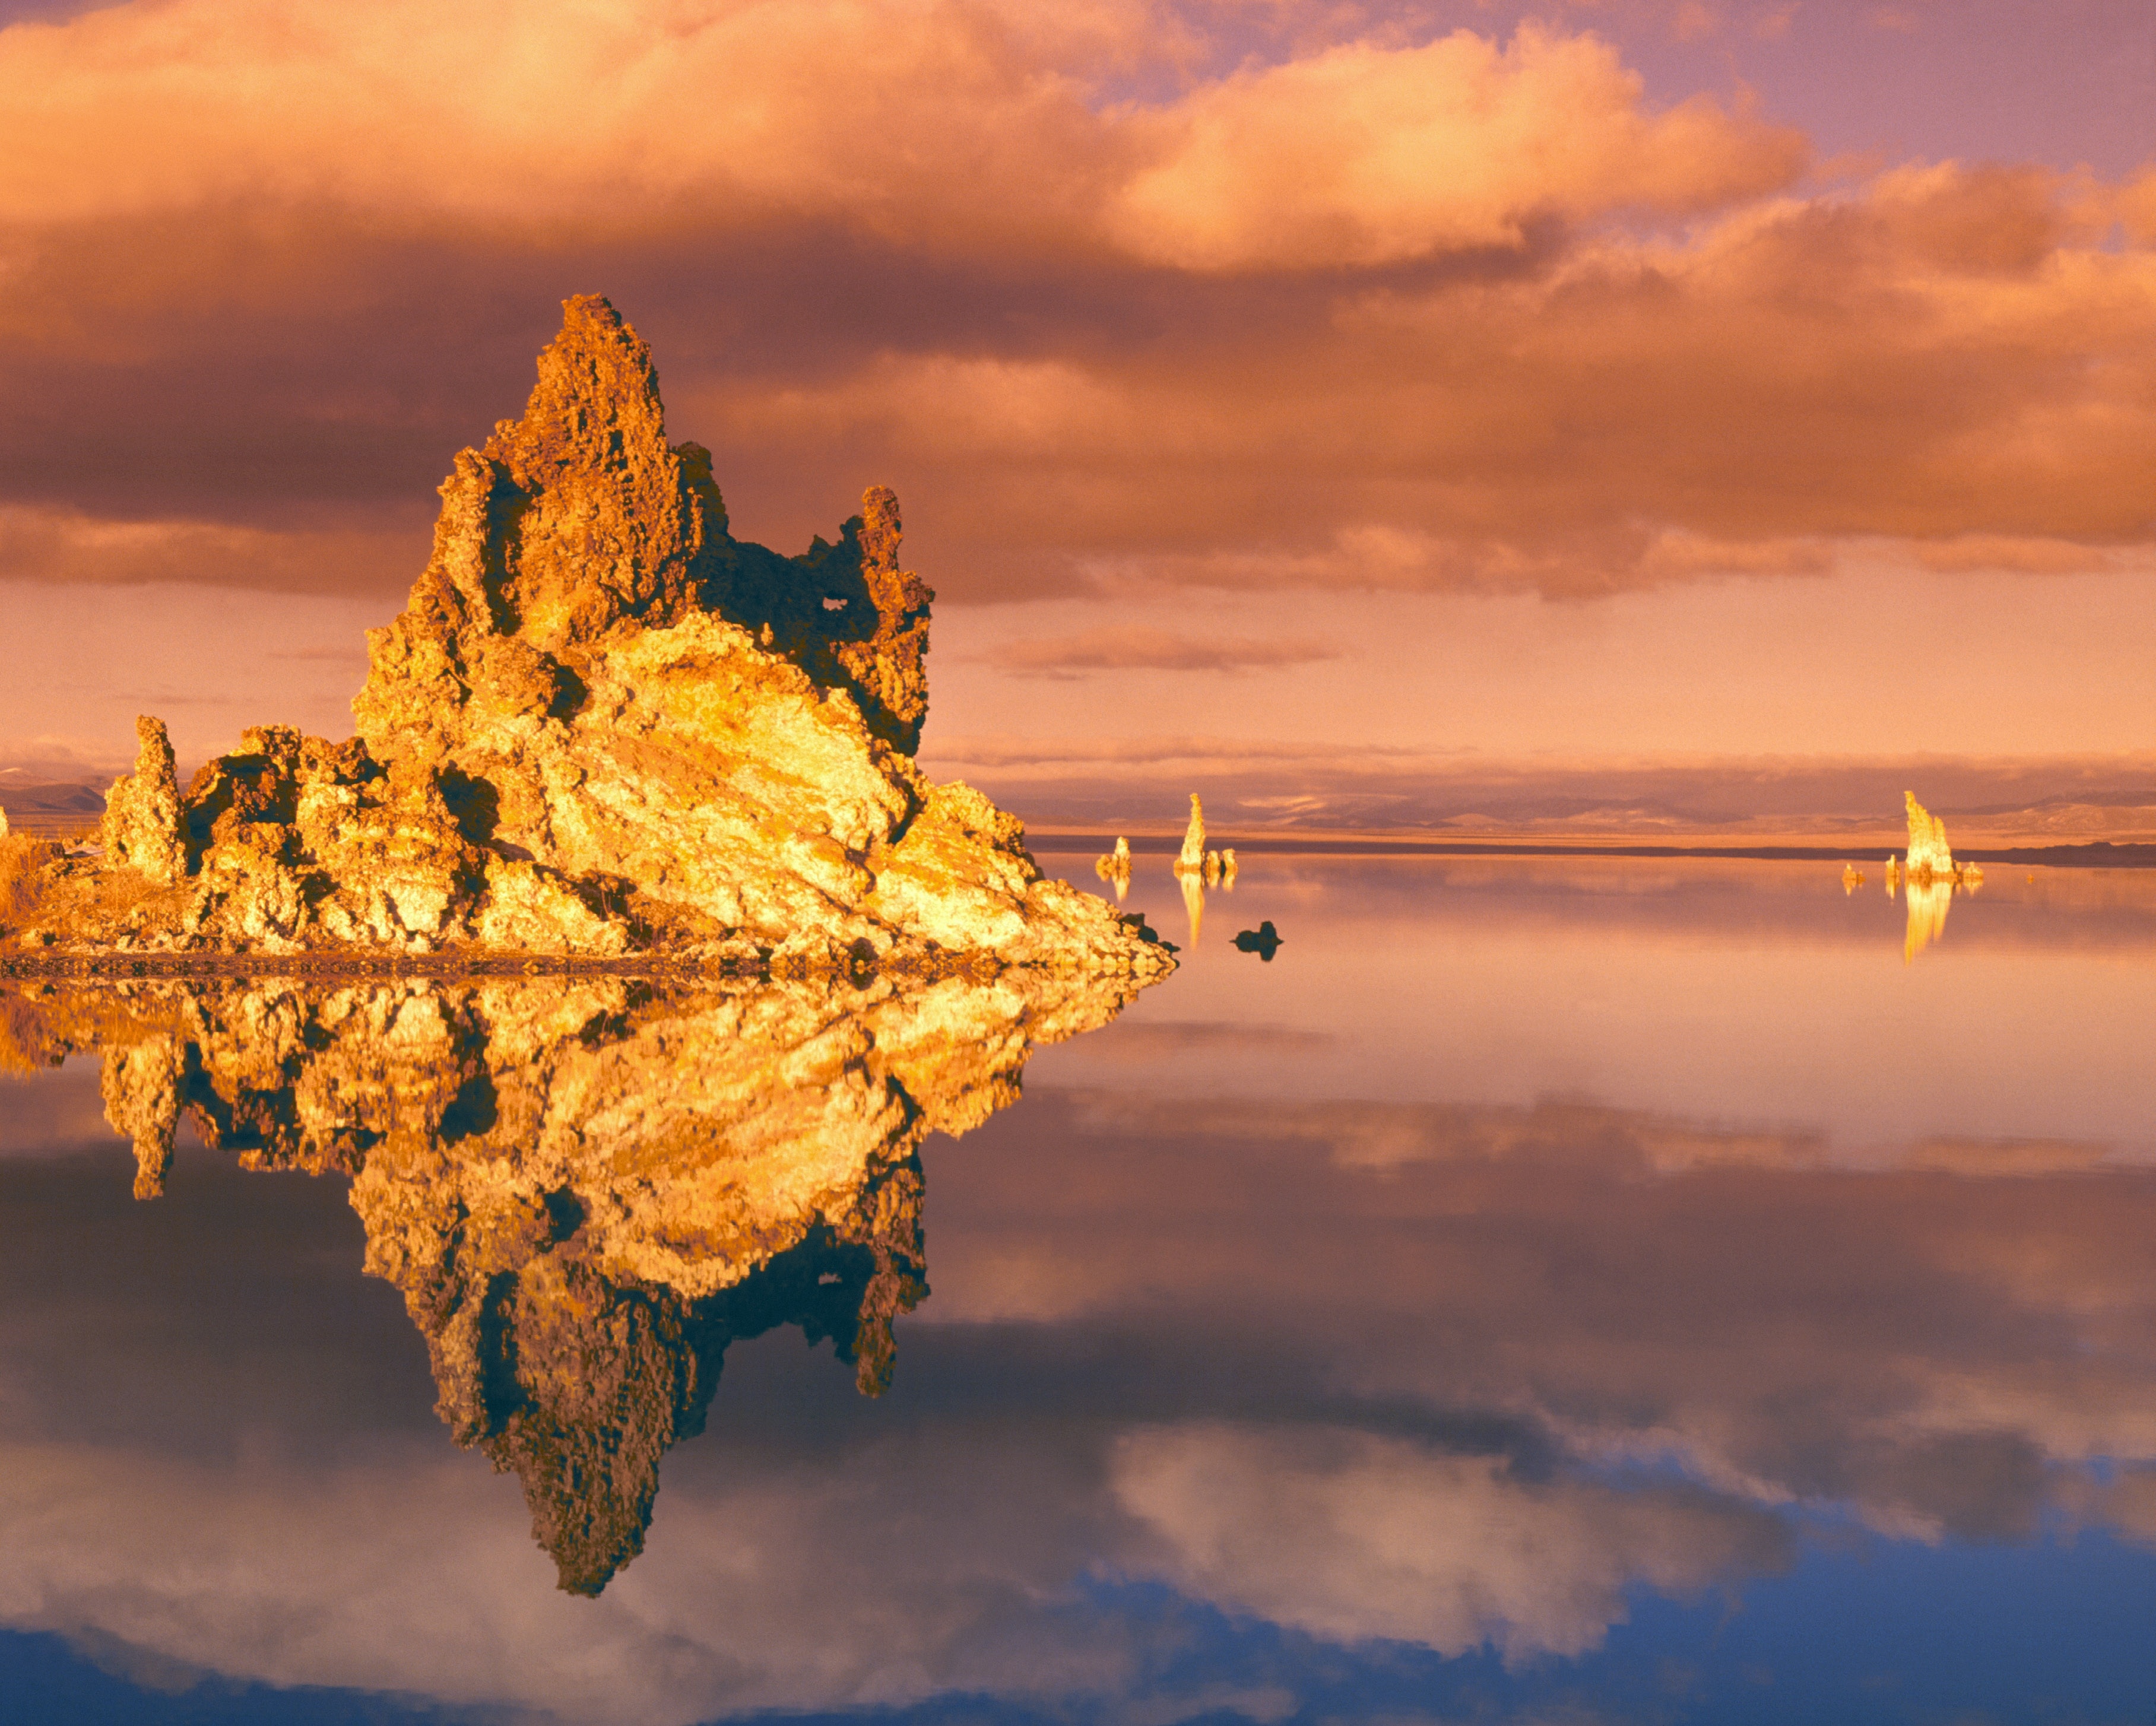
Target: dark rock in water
[(1136, 920), (1264, 940)]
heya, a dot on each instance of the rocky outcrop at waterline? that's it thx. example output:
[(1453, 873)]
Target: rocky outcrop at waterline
[(601, 726), (585, 1187)]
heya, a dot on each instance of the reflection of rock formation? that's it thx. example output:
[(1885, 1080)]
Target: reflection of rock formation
[(1194, 900), (1191, 860), (601, 724), (1927, 903), (586, 1189)]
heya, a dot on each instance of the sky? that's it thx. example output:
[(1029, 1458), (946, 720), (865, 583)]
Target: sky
[(1338, 408)]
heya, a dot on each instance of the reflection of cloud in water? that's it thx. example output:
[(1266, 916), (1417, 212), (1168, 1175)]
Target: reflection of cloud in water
[(1946, 1343), (1350, 1535), (1368, 1369)]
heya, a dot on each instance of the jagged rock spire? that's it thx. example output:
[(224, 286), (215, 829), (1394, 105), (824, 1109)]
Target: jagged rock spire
[(143, 826), (601, 724), (580, 517)]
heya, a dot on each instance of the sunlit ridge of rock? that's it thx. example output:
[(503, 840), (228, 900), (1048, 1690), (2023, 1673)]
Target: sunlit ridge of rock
[(584, 1189), (602, 725)]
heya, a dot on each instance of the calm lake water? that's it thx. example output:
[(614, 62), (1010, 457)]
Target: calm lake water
[(1544, 1291)]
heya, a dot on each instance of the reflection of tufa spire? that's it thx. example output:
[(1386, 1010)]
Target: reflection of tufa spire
[(140, 1084), (582, 1386), (1194, 901), (586, 1190), (1927, 902)]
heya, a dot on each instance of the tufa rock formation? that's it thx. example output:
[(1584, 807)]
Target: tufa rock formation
[(145, 826), (585, 1188), (1929, 858), (1192, 859), (1115, 869), (1930, 877), (602, 726)]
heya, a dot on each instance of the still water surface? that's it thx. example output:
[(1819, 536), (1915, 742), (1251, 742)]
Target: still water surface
[(1554, 1290)]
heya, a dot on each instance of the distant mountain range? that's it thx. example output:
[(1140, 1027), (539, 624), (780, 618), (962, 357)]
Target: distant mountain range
[(48, 807)]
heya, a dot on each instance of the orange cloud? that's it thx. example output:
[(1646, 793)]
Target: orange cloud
[(1363, 156), (68, 546), (645, 115), (1368, 310)]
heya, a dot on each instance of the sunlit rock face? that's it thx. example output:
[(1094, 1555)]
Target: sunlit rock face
[(1929, 857), (586, 1189), (1191, 861), (602, 725)]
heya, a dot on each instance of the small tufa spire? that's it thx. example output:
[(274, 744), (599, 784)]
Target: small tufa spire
[(143, 826), (1192, 862)]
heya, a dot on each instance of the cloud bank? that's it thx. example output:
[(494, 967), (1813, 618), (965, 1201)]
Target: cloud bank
[(1117, 293)]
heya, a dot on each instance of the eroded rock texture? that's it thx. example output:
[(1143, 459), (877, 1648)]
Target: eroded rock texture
[(1929, 856), (586, 1190), (1191, 859), (602, 725)]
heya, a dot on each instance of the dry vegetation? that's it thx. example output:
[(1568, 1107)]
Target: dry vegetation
[(22, 878)]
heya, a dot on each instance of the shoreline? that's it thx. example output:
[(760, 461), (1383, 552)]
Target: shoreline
[(2097, 853)]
